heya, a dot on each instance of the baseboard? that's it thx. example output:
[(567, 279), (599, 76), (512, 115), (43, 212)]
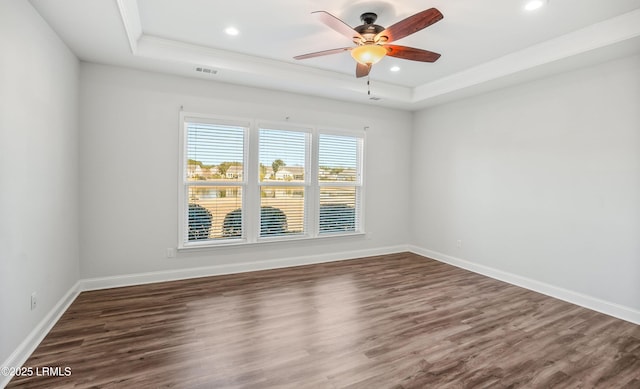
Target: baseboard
[(586, 301), (181, 274), (29, 344)]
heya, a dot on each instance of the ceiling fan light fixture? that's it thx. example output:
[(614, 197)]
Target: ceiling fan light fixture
[(368, 54)]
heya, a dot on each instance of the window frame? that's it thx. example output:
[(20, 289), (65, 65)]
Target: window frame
[(358, 184), (251, 184)]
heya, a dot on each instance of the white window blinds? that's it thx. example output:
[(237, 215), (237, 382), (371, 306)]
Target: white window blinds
[(340, 182), (214, 179), (283, 181)]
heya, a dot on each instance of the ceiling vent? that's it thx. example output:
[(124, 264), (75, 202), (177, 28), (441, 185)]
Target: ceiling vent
[(375, 98), (204, 70)]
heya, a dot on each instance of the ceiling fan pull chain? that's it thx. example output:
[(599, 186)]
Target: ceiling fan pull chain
[(368, 86)]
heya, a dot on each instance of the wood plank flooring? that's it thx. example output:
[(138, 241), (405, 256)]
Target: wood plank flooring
[(396, 321)]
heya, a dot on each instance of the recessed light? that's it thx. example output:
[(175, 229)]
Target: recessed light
[(395, 68), (532, 5), (232, 31)]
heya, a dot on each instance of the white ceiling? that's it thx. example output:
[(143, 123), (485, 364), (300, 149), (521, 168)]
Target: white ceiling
[(484, 45)]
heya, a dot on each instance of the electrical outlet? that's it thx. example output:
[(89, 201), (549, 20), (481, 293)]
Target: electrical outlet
[(171, 252), (34, 300)]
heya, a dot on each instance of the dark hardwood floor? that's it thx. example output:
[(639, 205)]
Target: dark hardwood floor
[(396, 321)]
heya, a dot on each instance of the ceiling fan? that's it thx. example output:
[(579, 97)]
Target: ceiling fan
[(372, 41)]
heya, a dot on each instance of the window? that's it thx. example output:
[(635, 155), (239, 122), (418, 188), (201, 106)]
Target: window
[(340, 183), (243, 182), (214, 181), (283, 181)]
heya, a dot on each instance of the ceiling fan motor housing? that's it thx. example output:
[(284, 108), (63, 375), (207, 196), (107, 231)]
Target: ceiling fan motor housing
[(368, 30)]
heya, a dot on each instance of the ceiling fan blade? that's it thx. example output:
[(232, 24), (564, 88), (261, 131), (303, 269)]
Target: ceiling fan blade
[(410, 25), (321, 53), (362, 70), (338, 25), (411, 53)]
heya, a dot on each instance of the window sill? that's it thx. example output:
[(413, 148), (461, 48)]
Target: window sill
[(236, 243)]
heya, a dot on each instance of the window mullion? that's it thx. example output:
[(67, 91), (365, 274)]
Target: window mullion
[(252, 199), (313, 200)]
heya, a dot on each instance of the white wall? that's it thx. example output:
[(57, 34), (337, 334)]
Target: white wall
[(129, 170), (540, 180), (38, 171)]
